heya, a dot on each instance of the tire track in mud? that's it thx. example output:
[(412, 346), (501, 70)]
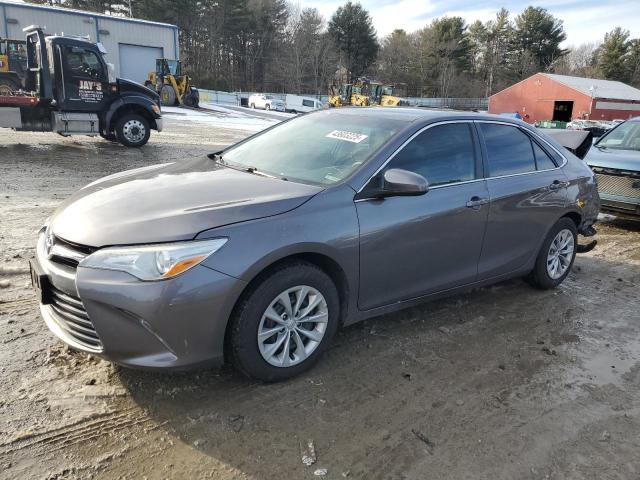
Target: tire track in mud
[(18, 305), (85, 430)]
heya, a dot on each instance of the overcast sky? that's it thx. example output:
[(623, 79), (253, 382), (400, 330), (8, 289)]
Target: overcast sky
[(584, 20)]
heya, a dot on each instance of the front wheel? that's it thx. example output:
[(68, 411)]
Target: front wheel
[(281, 327), (132, 130), (556, 256), (267, 107)]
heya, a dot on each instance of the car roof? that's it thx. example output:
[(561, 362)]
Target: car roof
[(417, 114)]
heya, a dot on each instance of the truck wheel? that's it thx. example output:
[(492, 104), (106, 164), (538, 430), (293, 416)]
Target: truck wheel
[(267, 107), (7, 87), (132, 130), (168, 96), (110, 136), (192, 99)]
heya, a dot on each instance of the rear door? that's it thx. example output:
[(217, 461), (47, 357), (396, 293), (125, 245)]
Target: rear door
[(528, 193), (412, 246)]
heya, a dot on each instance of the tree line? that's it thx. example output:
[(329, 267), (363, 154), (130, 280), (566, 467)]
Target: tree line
[(270, 45)]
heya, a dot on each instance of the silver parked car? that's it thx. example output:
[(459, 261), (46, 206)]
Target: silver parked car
[(261, 252), (615, 159)]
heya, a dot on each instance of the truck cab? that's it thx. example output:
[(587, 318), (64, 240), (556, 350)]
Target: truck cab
[(70, 89)]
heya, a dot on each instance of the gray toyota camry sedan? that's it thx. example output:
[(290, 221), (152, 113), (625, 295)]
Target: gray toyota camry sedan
[(257, 254)]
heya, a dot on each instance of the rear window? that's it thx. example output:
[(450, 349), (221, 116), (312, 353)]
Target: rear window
[(509, 150)]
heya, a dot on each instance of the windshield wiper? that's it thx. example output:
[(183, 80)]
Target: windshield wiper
[(217, 157), (255, 171)]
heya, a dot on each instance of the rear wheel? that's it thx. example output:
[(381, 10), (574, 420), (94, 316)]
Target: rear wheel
[(132, 130), (283, 325), (556, 256), (7, 87), (167, 95), (253, 105), (267, 107)]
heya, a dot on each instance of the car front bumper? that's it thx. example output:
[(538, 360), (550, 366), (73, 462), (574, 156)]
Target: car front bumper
[(171, 324), (620, 205)]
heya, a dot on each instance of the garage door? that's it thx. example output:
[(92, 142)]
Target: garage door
[(136, 61)]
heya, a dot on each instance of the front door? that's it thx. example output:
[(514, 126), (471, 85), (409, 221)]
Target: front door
[(84, 83), (528, 193), (412, 246)]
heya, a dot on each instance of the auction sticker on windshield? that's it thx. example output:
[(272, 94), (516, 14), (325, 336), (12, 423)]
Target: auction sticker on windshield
[(347, 136)]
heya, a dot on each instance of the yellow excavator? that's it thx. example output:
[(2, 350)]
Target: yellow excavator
[(172, 85), (364, 93), (13, 65)]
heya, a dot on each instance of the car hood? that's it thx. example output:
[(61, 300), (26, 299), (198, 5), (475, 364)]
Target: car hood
[(613, 158), (171, 202)]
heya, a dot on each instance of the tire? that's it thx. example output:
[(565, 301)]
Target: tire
[(110, 137), (132, 130), (167, 96), (253, 105), (192, 99), (7, 87), (294, 112), (251, 356), (267, 107), (541, 276)]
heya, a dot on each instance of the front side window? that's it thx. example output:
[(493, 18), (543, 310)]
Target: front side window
[(441, 154), (82, 63), (307, 103), (322, 148), (509, 150)]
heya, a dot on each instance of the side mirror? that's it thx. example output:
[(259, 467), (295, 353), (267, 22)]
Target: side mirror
[(397, 182), (111, 69)]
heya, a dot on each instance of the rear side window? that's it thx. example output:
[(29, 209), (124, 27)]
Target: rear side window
[(442, 154), (543, 161), (508, 150)]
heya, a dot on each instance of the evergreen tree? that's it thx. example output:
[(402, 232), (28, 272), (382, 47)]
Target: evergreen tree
[(612, 55), (352, 31)]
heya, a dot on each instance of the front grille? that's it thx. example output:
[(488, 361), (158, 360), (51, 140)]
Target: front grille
[(619, 185), (70, 315), (67, 253)]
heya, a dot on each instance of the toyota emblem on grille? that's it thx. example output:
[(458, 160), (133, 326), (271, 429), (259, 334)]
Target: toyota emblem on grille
[(48, 241)]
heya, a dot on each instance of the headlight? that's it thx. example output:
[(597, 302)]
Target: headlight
[(154, 262)]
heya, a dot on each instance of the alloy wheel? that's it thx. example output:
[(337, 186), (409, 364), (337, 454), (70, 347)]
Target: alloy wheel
[(292, 326), (560, 254)]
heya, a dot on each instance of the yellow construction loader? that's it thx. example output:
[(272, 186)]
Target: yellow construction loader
[(13, 65), (364, 93), (172, 85)]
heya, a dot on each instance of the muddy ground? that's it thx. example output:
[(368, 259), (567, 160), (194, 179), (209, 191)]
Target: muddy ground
[(505, 382)]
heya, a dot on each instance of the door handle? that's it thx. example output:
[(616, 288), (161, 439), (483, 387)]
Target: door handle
[(476, 202), (557, 185)]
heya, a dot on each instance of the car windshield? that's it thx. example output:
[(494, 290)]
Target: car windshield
[(625, 136), (321, 148)]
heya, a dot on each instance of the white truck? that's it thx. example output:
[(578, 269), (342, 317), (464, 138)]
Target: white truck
[(300, 104), (266, 102)]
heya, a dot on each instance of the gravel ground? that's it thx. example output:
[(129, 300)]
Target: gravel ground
[(505, 382)]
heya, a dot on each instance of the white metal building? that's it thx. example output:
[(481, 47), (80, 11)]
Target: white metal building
[(132, 45)]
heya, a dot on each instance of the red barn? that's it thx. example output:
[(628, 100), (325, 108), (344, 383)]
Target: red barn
[(546, 96)]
